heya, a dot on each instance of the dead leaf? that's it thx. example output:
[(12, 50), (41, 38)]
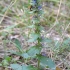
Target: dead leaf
[(57, 68)]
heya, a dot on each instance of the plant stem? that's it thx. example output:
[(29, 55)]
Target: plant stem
[(35, 8), (38, 65)]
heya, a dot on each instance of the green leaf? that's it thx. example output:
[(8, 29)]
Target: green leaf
[(17, 44), (16, 67), (5, 62), (31, 26), (34, 50), (25, 55), (67, 41), (32, 40), (46, 40), (22, 67), (34, 37), (29, 67), (14, 52), (8, 58), (41, 28), (25, 5), (57, 45), (65, 45), (4, 34), (46, 62), (35, 20), (10, 27)]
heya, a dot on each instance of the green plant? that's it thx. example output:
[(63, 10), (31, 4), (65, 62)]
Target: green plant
[(5, 62), (34, 52)]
